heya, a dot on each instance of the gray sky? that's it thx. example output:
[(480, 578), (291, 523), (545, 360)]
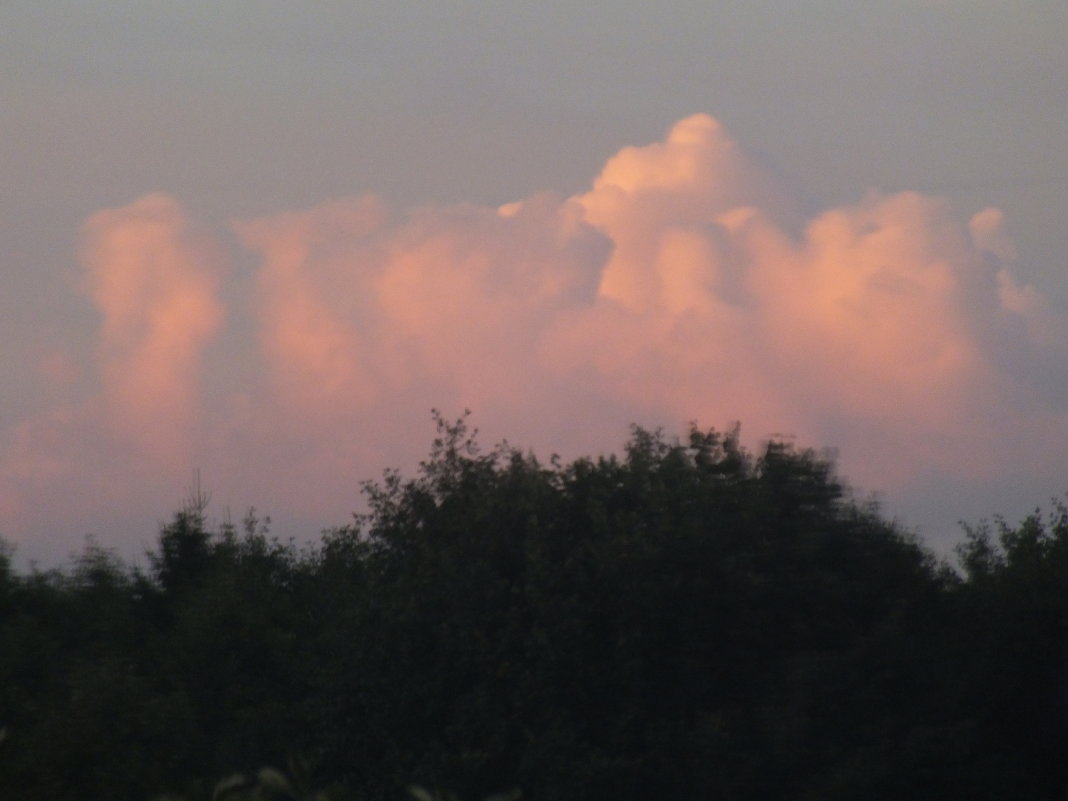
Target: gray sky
[(241, 110)]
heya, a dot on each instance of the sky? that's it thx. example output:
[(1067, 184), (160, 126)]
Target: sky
[(260, 241)]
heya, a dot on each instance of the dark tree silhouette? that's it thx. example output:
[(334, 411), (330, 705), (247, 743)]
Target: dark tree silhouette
[(687, 619)]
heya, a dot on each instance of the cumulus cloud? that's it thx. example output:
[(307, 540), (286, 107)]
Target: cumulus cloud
[(82, 463), (684, 285), (154, 279)]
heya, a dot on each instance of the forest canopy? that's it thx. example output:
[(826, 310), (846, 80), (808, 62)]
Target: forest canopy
[(685, 619)]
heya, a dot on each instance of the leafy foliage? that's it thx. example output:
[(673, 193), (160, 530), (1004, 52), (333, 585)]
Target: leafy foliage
[(687, 618)]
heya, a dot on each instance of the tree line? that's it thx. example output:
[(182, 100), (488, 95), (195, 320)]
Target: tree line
[(687, 619)]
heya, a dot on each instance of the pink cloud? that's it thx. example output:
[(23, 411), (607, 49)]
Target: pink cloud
[(154, 279), (310, 289), (684, 285)]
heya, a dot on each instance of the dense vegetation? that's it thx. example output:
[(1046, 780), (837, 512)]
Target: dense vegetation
[(689, 620)]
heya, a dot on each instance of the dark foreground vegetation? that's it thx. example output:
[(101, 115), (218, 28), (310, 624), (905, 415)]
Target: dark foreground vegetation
[(689, 621)]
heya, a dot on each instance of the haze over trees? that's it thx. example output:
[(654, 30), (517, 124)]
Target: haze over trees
[(687, 620)]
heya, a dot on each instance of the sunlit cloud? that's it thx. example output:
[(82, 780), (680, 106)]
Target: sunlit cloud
[(154, 279), (684, 285)]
